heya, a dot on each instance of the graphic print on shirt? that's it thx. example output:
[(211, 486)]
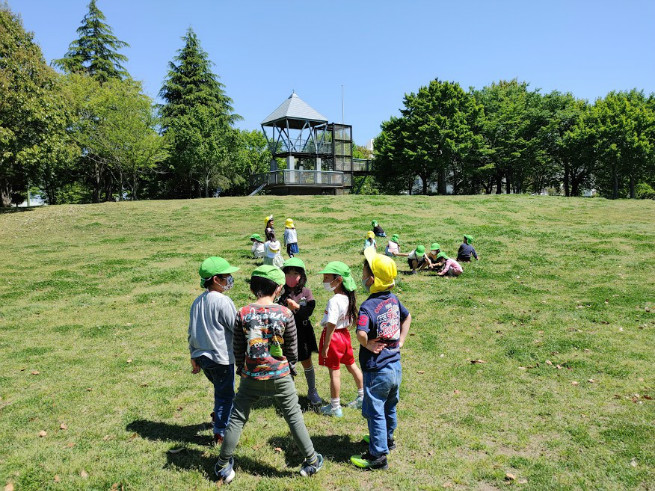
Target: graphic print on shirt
[(388, 317), (264, 330)]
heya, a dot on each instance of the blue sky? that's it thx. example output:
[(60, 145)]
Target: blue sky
[(378, 50)]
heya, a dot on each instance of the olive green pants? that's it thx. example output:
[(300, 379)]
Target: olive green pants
[(283, 391)]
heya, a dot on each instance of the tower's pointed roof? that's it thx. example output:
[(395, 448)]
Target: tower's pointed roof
[(296, 111)]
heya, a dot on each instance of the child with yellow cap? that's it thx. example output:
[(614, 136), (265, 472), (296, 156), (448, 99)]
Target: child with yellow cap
[(269, 230), (335, 347), (290, 237), (382, 327), (265, 351), (370, 241), (211, 329)]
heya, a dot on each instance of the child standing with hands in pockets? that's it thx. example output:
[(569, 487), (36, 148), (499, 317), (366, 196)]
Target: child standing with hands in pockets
[(335, 346)]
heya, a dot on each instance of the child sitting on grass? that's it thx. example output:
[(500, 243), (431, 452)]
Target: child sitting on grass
[(377, 230), (258, 249), (466, 250), (265, 352), (382, 327), (370, 241), (393, 247), (435, 249), (211, 329), (447, 266), (417, 259), (299, 299), (335, 346), (272, 256)]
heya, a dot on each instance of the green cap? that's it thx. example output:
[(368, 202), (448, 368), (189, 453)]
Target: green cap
[(340, 269), (256, 237), (442, 255), (374, 223), (212, 266), (469, 238), (420, 250), (270, 272), (435, 246), (394, 238), (294, 262)]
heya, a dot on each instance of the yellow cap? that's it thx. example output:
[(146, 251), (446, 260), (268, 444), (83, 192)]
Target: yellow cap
[(268, 219), (370, 235), (383, 268), (289, 223)]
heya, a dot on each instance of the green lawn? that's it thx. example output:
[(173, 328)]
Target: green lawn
[(561, 309)]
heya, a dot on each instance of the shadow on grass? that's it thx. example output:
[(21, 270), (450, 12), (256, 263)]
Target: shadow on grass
[(154, 430), (195, 460), (335, 448)]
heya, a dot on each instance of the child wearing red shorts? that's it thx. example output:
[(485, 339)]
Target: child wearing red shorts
[(335, 346)]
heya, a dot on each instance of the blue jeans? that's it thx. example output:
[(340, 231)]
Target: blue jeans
[(381, 391), (222, 376)]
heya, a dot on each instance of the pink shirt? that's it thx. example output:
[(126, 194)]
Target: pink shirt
[(451, 263)]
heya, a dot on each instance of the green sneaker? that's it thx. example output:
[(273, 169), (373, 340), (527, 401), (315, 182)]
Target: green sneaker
[(369, 462)]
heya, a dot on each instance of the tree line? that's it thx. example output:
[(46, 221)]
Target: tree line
[(90, 134), (508, 138)]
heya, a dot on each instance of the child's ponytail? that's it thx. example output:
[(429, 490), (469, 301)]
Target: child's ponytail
[(352, 306)]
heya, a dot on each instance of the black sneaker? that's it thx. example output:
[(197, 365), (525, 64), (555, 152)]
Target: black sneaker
[(391, 443), (368, 461), (309, 469)]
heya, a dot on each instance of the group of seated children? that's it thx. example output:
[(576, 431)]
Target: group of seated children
[(433, 260)]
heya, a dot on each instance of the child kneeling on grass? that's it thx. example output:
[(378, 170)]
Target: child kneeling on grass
[(382, 327), (211, 327), (265, 352)]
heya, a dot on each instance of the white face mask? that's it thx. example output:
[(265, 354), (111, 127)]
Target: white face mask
[(328, 286)]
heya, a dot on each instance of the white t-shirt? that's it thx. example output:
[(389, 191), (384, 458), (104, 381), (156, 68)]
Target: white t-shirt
[(336, 312), (258, 249)]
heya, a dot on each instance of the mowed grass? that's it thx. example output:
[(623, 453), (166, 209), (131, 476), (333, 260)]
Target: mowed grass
[(561, 311)]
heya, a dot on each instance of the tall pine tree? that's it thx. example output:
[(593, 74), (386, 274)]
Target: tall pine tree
[(95, 53), (197, 119)]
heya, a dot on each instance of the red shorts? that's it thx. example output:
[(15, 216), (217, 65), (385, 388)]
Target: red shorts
[(339, 351)]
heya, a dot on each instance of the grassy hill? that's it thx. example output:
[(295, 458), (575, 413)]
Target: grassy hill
[(561, 309)]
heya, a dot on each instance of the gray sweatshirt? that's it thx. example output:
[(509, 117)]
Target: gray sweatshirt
[(211, 327)]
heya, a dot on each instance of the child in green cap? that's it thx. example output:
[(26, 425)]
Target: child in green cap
[(377, 230), (417, 259), (211, 330), (466, 250), (447, 266), (298, 298), (258, 249), (393, 247), (335, 346), (265, 351)]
